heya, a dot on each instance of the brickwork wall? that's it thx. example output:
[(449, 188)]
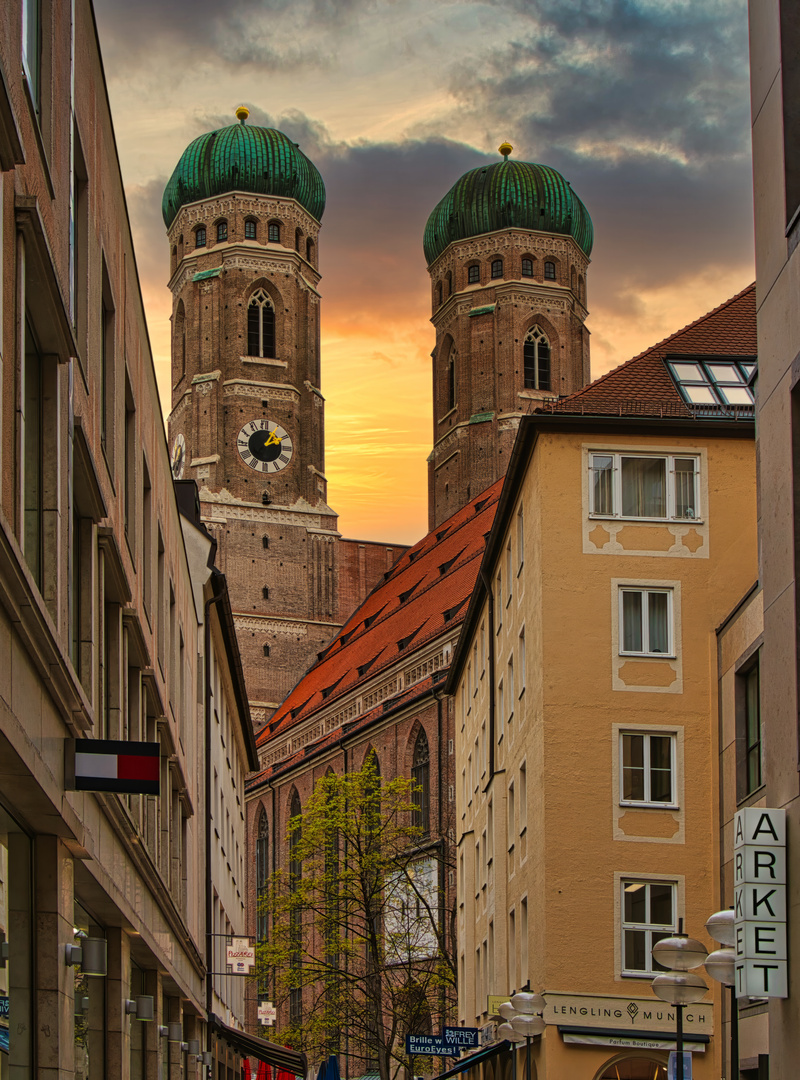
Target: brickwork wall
[(393, 740), (361, 566), (489, 372)]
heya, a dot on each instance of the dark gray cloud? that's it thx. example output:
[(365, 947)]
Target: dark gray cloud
[(272, 34)]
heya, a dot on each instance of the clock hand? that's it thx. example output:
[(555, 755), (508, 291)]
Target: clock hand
[(273, 438)]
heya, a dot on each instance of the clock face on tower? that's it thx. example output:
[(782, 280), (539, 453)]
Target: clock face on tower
[(178, 456), (264, 446)]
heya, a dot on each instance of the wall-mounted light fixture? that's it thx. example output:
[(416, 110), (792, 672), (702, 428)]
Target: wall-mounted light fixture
[(194, 1046), (142, 1007), (175, 1032), (91, 955), (163, 1030)]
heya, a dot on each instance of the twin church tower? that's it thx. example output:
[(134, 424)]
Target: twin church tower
[(507, 251)]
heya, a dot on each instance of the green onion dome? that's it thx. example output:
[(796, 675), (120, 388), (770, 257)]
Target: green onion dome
[(243, 157), (507, 195)]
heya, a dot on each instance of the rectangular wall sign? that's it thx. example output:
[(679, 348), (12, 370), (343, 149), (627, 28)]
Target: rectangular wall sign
[(759, 898), (461, 1036), (129, 768)]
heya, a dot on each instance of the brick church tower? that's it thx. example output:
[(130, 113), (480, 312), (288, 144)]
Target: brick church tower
[(507, 251), (243, 210)]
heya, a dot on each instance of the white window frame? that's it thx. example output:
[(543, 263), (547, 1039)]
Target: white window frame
[(649, 929), (522, 661), (616, 485), (645, 651), (673, 766), (501, 710), (510, 689)]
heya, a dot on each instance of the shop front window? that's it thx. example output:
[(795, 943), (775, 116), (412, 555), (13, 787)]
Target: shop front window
[(16, 916), (90, 1006)]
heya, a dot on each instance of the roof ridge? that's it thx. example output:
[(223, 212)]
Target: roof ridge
[(659, 344)]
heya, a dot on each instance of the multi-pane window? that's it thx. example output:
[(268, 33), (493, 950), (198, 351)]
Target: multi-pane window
[(200, 237), (521, 665), (261, 326), (474, 274), (420, 774), (648, 915), (274, 232), (32, 48), (647, 768), (262, 875), (645, 617), (497, 268), (752, 729), (643, 486), (222, 231), (510, 688), (536, 360), (527, 267), (714, 382), (549, 271), (250, 230)]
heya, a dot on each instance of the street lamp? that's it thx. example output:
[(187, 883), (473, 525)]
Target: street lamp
[(721, 965), (523, 1016), (678, 986), (506, 1031)]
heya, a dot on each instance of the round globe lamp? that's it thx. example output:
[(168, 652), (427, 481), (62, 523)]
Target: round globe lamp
[(506, 1031), (679, 953), (679, 987), (507, 1011), (527, 1003), (721, 965), (721, 928), (528, 1025)]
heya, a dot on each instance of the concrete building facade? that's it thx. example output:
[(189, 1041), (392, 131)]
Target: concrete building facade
[(775, 106)]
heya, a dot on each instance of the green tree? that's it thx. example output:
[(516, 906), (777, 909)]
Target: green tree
[(357, 924)]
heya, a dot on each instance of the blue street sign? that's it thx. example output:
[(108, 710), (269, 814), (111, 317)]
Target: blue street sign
[(461, 1036), (672, 1065)]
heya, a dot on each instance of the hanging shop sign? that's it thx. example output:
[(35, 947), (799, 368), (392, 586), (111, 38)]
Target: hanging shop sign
[(128, 768), (759, 898), (267, 1013), (240, 955)]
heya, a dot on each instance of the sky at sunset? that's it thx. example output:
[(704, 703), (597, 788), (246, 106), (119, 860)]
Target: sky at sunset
[(643, 105)]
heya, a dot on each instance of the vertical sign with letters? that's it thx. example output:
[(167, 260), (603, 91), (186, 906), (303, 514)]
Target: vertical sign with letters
[(759, 892)]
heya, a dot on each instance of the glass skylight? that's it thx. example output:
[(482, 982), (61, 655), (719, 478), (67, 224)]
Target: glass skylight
[(714, 382)]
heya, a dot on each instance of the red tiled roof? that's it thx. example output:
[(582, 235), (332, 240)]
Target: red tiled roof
[(643, 385), (435, 579)]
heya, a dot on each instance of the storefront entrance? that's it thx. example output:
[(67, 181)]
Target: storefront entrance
[(624, 1067)]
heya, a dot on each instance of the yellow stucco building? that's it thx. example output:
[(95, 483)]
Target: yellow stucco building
[(585, 681)]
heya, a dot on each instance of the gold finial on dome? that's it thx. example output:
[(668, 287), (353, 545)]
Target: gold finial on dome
[(505, 149), (242, 113)]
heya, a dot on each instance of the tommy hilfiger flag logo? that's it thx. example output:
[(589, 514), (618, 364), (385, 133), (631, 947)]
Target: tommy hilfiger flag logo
[(130, 768)]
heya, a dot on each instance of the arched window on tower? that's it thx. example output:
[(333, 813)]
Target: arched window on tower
[(420, 774), (581, 288), (261, 326), (449, 282), (536, 357), (200, 236), (474, 274), (497, 268), (222, 231), (451, 379), (298, 236), (438, 294), (262, 874), (527, 267), (180, 246), (274, 232), (174, 259), (310, 251), (250, 229), (549, 271), (573, 280)]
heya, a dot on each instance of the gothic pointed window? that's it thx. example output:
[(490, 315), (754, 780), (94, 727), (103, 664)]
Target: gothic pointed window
[(438, 294), (549, 271), (449, 282), (274, 232), (298, 236), (180, 342), (310, 251), (295, 874), (536, 356), (420, 775), (262, 874), (261, 326)]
